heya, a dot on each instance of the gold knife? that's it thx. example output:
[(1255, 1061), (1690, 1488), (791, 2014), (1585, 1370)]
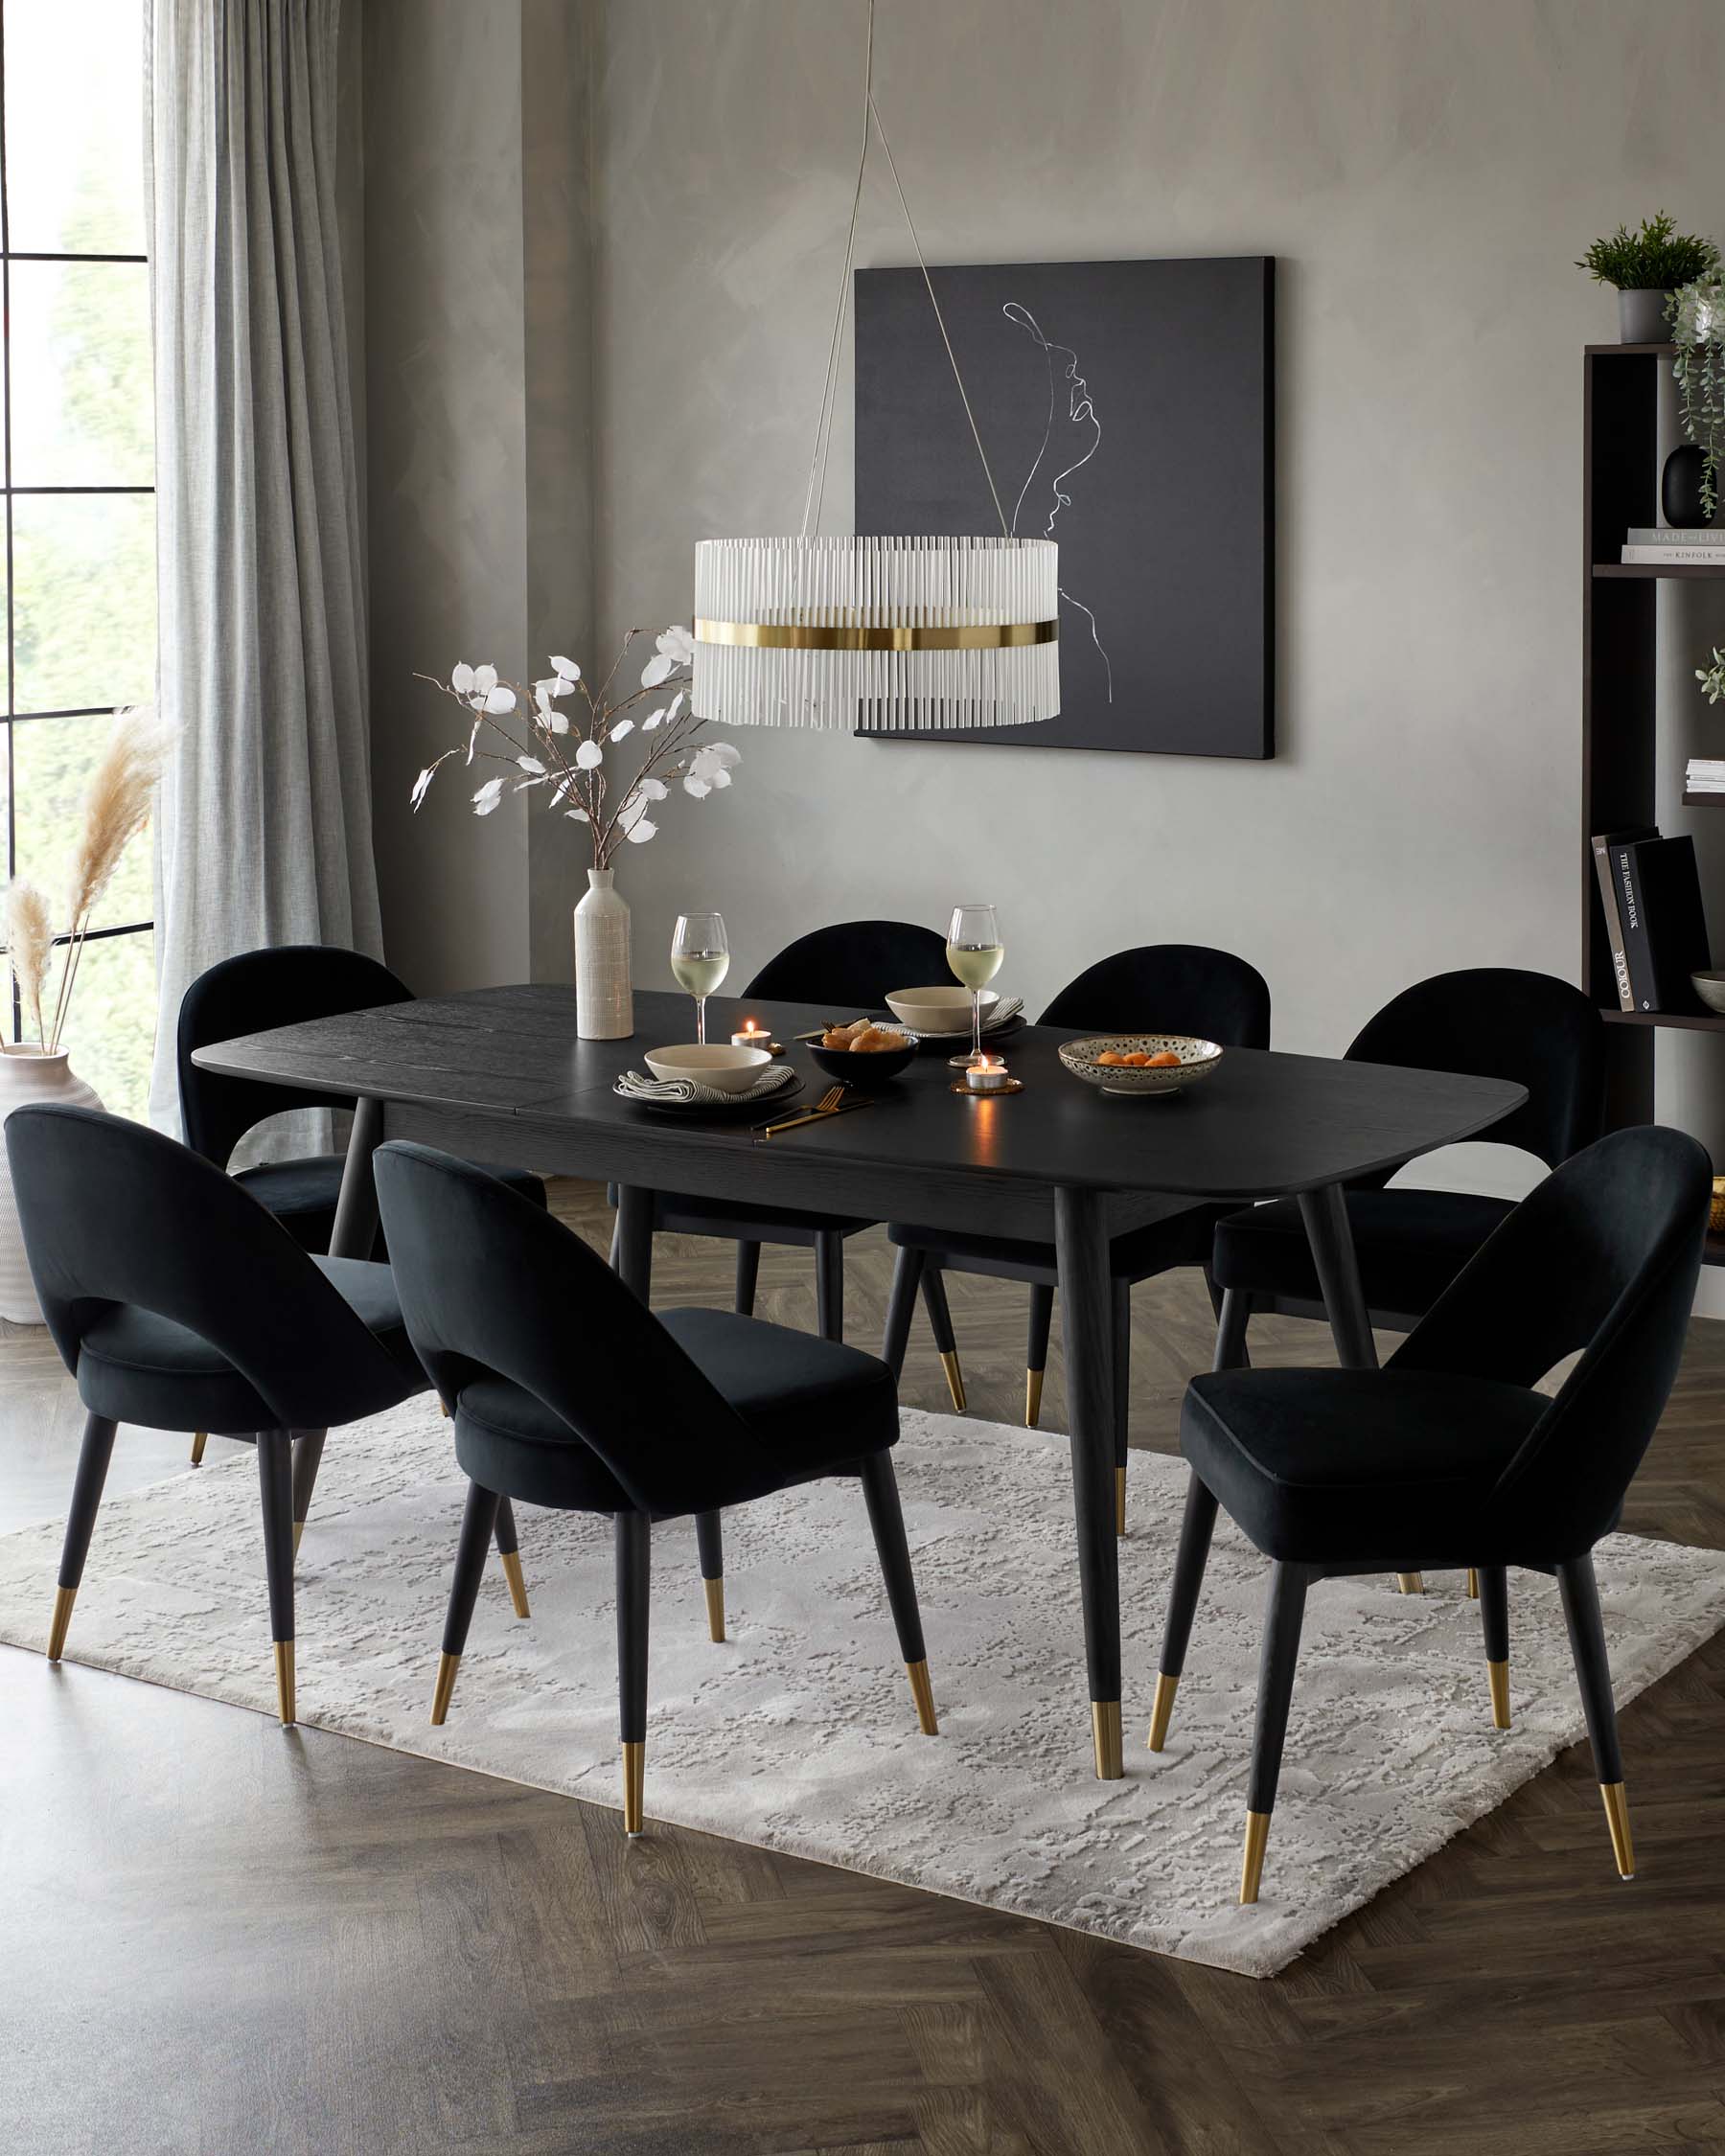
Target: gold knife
[(812, 1116)]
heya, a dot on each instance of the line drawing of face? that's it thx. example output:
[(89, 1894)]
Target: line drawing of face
[(1080, 412)]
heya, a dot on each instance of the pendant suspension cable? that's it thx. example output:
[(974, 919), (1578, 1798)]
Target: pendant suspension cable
[(823, 426), (911, 225)]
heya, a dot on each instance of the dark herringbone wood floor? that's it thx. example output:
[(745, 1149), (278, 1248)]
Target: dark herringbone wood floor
[(216, 1937)]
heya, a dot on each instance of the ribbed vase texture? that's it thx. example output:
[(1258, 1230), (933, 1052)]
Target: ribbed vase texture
[(26, 1075), (604, 1001)]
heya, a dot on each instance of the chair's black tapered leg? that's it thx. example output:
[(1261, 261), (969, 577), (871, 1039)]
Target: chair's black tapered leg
[(93, 1457), (940, 1324), (1494, 1620), (709, 1540), (635, 1559), (1197, 1525), (901, 1306), (1581, 1595), (1232, 1321), (1277, 1662), (509, 1551), (1122, 1410), (749, 1273), (307, 1454), (478, 1524), (885, 1516), (829, 1284), (1036, 1350), (275, 1487)]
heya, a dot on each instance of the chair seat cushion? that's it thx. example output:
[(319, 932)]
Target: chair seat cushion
[(815, 1405), (140, 1367), (677, 1213), (1184, 1238), (302, 1194), (1336, 1467), (1411, 1244)]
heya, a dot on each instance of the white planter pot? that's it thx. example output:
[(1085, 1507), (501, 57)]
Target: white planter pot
[(26, 1075), (604, 1003)]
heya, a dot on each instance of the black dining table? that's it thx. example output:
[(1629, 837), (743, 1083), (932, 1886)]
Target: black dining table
[(499, 1074)]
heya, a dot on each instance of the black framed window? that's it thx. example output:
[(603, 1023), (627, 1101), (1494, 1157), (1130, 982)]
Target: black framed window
[(79, 476)]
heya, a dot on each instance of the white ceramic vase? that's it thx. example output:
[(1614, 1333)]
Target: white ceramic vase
[(604, 1003), (27, 1074)]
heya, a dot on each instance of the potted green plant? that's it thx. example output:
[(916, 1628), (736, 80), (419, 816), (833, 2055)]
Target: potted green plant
[(1646, 266), (1696, 314)]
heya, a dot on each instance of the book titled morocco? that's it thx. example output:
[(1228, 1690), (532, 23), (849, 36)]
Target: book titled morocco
[(1617, 899), (1664, 929)]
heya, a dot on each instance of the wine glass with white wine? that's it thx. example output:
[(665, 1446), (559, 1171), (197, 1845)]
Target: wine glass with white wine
[(974, 952), (700, 959)]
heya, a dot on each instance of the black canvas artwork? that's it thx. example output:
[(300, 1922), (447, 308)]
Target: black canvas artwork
[(1126, 410)]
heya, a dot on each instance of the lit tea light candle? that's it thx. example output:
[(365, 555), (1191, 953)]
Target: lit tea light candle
[(987, 1074), (753, 1036)]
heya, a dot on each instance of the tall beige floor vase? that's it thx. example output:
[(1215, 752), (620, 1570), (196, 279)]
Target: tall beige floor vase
[(604, 1002), (27, 1074)]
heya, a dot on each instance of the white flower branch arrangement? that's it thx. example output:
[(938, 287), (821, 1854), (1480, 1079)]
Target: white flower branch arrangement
[(566, 751), (117, 806)]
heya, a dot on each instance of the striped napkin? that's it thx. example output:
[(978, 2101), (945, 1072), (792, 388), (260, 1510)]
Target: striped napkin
[(689, 1092)]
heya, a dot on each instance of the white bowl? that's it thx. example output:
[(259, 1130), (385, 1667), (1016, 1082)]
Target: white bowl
[(1710, 988), (938, 1010), (728, 1069), (1197, 1060)]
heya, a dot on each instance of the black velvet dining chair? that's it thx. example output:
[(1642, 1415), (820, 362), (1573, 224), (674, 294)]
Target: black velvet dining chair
[(1448, 1454), (1158, 988), (1487, 1023), (288, 984), (849, 968), (178, 1302), (569, 1393)]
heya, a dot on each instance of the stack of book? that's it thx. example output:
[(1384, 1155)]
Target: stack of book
[(1663, 543), (1705, 774), (1654, 925)]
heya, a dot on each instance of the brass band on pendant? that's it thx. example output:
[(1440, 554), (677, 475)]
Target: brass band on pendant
[(795, 636)]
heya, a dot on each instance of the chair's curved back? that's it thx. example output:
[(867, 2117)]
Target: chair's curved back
[(1170, 988), (490, 1285), (1602, 1256), (1498, 1021), (251, 993), (855, 963), (115, 1213)]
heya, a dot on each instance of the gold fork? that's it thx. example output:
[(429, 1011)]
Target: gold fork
[(824, 1105)]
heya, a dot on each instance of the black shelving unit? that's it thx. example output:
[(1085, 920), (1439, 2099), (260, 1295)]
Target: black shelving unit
[(1619, 731)]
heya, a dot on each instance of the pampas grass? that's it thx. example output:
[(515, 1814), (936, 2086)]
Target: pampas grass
[(115, 809), (28, 945)]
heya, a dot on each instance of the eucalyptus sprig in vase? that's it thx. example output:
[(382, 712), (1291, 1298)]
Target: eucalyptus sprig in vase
[(559, 739), (38, 1067)]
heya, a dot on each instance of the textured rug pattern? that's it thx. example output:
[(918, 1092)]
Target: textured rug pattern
[(799, 1732)]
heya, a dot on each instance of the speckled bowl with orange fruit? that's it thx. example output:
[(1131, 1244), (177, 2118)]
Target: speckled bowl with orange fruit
[(1102, 1060)]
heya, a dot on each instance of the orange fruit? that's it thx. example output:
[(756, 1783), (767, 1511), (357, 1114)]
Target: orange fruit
[(1137, 1060), (1109, 1057), (1165, 1059)]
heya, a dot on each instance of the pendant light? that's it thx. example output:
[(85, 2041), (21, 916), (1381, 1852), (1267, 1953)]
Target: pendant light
[(888, 634)]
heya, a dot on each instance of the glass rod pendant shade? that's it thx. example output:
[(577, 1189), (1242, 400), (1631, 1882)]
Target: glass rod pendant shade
[(912, 635), (890, 635)]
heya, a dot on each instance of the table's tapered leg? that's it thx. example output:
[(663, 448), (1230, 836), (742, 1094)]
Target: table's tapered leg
[(1087, 1313), (356, 1228), (632, 1246), (1324, 1213)]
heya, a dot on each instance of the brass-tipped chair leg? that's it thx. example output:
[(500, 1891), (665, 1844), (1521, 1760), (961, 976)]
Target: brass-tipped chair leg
[(1119, 1500), (1494, 1623), (63, 1599), (283, 1677), (510, 1553), (94, 1454), (1105, 1739), (940, 1324), (710, 1545), (1617, 1818), (1036, 1350), (1411, 1583), (634, 1789), (200, 1438), (923, 1693), (1033, 1393), (447, 1666), (1497, 1676), (1161, 1708), (954, 1377), (1473, 1584), (1252, 1861), (715, 1606)]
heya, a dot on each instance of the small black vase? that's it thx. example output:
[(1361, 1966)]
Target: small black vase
[(1680, 488)]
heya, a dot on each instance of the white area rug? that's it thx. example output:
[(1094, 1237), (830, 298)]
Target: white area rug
[(799, 1734)]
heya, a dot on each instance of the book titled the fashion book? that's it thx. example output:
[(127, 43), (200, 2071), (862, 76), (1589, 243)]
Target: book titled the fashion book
[(1606, 846)]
